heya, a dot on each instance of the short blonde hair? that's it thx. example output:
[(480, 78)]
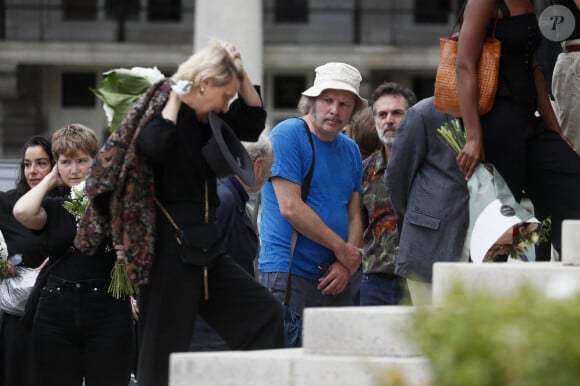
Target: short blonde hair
[(213, 62), (73, 138)]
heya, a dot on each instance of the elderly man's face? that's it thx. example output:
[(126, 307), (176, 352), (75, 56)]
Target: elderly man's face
[(331, 112), (389, 110), (262, 171)]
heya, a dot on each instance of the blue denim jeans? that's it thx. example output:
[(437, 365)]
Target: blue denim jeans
[(304, 292), (205, 338), (80, 331), (382, 289)]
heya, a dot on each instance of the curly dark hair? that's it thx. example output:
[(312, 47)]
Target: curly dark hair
[(21, 184)]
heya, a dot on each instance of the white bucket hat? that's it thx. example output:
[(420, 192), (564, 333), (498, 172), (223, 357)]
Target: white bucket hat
[(336, 76)]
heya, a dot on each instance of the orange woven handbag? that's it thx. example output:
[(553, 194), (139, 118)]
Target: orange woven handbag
[(445, 95)]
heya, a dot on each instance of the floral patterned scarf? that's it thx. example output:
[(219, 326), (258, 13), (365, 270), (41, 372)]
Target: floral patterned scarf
[(121, 190)]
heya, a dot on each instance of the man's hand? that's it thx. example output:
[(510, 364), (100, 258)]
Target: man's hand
[(350, 257), (334, 280)]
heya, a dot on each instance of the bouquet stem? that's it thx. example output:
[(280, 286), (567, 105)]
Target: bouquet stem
[(121, 285)]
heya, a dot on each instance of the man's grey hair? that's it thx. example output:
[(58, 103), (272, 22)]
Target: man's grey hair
[(261, 148)]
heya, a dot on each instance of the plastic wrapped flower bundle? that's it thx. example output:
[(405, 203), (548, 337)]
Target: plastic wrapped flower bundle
[(16, 281), (6, 267), (498, 224), (121, 87)]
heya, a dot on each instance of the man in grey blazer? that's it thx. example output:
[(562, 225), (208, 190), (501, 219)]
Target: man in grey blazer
[(430, 198)]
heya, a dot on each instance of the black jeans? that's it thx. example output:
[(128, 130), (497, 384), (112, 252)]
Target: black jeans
[(243, 312), (80, 331)]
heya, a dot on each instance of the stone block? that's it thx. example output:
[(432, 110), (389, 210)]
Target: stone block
[(364, 331), (234, 368), (502, 279), (292, 367), (571, 242)]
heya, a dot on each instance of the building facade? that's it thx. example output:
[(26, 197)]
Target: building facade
[(53, 51)]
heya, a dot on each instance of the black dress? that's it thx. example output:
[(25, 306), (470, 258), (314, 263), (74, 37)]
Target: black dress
[(529, 155), (238, 307)]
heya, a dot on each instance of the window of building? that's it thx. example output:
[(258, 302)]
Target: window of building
[(162, 10), (2, 19), (432, 11), (122, 9), (80, 9), (291, 11), (287, 90), (75, 89)]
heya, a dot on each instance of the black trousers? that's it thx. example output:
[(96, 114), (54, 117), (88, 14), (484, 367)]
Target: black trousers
[(81, 332), (16, 366), (533, 158), (243, 312), (553, 180)]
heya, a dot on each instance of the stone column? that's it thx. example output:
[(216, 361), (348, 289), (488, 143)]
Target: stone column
[(237, 21)]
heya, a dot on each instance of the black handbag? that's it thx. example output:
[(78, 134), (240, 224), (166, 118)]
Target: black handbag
[(199, 243), (293, 320)]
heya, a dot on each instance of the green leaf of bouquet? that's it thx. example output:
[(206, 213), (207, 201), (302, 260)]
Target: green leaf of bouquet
[(121, 110), (114, 99), (126, 81)]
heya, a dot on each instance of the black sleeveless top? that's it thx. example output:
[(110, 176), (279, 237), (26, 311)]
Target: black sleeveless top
[(520, 37)]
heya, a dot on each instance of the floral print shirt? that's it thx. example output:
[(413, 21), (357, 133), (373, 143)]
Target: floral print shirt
[(381, 240)]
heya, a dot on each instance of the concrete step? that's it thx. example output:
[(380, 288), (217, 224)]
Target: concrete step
[(363, 331), (502, 279), (571, 242), (293, 367)]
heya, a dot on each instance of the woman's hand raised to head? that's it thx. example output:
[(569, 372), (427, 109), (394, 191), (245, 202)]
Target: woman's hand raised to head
[(247, 91), (232, 50)]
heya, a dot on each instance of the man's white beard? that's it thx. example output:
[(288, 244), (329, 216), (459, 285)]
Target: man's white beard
[(388, 140)]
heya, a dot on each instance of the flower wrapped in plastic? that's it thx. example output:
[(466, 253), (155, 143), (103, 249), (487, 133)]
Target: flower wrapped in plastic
[(6, 267), (121, 87), (498, 224), (16, 282)]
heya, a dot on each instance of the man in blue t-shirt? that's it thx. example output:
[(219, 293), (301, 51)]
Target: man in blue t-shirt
[(328, 222)]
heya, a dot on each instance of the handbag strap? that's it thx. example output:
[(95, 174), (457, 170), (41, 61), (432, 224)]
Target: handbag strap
[(460, 17), (172, 222), (304, 193), (166, 213)]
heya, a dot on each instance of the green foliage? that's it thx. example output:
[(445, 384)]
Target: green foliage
[(78, 202), (480, 339), (121, 286), (453, 134), (119, 90)]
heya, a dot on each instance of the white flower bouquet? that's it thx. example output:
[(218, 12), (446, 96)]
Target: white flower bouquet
[(121, 87), (498, 224)]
